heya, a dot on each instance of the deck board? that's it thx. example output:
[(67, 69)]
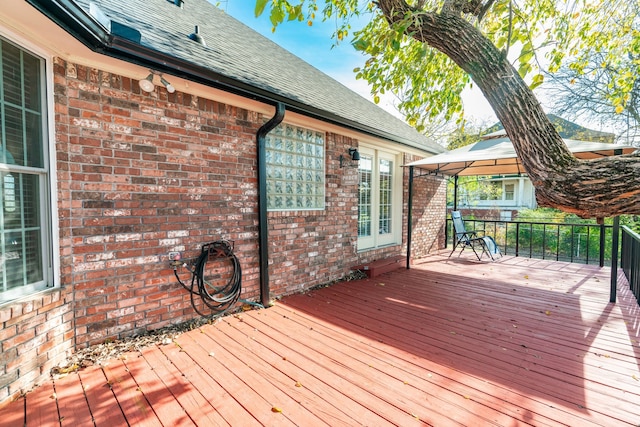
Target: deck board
[(450, 342), (41, 410), (72, 406), (100, 398), (131, 400), (219, 399)]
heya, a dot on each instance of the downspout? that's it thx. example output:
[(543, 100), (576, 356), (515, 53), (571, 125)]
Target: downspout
[(263, 230)]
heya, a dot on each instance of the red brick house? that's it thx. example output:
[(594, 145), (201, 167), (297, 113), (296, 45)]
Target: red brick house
[(129, 135)]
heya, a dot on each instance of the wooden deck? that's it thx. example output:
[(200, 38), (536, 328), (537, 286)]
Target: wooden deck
[(449, 342)]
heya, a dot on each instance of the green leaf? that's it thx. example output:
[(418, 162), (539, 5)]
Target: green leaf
[(260, 5), (360, 44), (537, 80), (276, 17)]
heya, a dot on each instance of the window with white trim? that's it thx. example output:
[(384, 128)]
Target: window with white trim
[(295, 169), (24, 242), (380, 199)]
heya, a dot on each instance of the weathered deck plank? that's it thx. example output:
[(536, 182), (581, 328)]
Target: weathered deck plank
[(449, 342)]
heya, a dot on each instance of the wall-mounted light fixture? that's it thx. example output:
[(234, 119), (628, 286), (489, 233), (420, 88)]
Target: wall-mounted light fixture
[(147, 84), (354, 155)]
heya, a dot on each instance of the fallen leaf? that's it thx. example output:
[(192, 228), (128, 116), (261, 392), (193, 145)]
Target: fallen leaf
[(276, 409), (635, 378), (298, 384), (548, 313), (526, 276)]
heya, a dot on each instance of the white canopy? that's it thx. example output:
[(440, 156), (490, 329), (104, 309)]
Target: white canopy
[(496, 156)]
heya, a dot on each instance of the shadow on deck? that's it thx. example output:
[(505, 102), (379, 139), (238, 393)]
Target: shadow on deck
[(449, 342)]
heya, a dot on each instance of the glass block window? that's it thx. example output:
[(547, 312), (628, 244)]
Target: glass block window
[(295, 168), (23, 173)]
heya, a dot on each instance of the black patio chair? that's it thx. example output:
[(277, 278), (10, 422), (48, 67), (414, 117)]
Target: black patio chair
[(470, 239)]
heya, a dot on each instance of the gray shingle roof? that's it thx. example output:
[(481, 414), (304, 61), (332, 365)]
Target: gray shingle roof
[(238, 52)]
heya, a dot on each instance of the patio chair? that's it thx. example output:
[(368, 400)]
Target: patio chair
[(470, 239)]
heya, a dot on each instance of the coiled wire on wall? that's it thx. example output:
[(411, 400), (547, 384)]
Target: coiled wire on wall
[(209, 271)]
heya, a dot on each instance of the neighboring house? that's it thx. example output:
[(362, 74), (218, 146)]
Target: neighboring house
[(105, 172), (501, 197)]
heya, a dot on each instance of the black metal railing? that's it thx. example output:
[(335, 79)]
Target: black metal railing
[(579, 243), (630, 260)]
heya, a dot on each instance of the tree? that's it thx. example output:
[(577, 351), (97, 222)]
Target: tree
[(419, 41), (587, 93)]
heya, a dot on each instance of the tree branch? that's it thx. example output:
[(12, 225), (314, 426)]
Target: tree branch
[(595, 188), (484, 9)]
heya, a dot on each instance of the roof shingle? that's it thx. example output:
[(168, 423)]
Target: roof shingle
[(243, 55)]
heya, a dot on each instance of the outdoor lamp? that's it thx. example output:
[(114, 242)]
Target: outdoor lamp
[(353, 154), (146, 84), (169, 86)]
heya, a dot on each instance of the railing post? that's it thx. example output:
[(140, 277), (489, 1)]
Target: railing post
[(602, 243), (558, 243), (614, 259), (517, 238), (544, 240), (573, 235)]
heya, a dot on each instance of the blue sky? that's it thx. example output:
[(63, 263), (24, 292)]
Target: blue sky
[(315, 46), (313, 43)]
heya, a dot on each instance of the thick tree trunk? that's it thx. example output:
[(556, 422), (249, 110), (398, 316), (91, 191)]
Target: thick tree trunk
[(589, 188)]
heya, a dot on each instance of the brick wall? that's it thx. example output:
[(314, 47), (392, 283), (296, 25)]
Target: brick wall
[(36, 335), (309, 248), (140, 175), (429, 212)]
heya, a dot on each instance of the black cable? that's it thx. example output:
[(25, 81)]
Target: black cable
[(217, 298)]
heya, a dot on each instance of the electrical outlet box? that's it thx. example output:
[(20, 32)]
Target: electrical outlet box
[(174, 256)]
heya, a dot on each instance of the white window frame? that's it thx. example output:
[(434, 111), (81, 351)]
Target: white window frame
[(503, 201), (46, 176), (394, 236)]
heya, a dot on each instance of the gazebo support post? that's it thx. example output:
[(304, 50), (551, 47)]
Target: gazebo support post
[(409, 219)]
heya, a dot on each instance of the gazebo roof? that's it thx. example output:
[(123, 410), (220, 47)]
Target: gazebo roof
[(497, 156)]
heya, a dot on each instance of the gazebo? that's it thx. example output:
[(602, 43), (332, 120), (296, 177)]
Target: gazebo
[(495, 155)]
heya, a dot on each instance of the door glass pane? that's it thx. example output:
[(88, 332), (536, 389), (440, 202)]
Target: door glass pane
[(385, 205), (365, 171)]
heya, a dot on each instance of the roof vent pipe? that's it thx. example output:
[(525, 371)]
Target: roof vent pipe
[(196, 37)]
